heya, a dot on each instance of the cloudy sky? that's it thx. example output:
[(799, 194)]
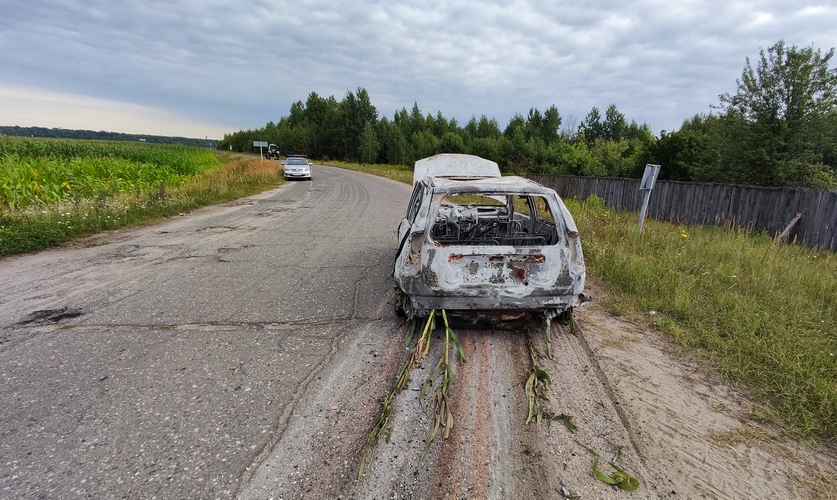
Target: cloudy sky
[(198, 68)]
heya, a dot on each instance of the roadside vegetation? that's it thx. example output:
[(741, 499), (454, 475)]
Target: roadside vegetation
[(398, 173), (52, 191)]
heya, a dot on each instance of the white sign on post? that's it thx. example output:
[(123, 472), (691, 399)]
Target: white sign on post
[(647, 184), (260, 145), (649, 177)]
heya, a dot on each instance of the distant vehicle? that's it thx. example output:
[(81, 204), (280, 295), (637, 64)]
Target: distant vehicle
[(297, 167), (272, 152), (486, 248)]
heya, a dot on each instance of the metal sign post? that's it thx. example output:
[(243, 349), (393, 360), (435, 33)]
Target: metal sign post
[(260, 145), (647, 184)]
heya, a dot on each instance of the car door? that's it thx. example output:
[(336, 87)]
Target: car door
[(412, 210)]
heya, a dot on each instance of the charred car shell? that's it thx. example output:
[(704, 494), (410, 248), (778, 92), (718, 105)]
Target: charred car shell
[(485, 247)]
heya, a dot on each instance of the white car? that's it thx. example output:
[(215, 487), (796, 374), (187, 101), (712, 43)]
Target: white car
[(486, 247), (297, 168)]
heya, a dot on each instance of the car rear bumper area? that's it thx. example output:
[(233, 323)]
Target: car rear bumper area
[(492, 307)]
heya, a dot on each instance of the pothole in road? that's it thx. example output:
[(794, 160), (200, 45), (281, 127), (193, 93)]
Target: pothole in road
[(51, 316), (124, 252), (216, 229)]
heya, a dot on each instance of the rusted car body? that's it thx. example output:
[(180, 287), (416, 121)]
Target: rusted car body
[(485, 247)]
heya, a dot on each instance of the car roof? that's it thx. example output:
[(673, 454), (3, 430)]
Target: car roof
[(454, 165), (510, 184)]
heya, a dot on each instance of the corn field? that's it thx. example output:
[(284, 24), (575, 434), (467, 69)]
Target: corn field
[(46, 171)]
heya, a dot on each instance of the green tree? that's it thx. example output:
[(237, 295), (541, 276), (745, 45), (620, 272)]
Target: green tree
[(321, 114), (369, 144), (440, 125), (451, 143), (577, 159), (615, 125), (516, 153), (550, 125), (488, 128), (355, 111), (470, 128), (397, 149), (517, 123), (534, 122), (692, 153), (610, 154), (486, 147), (416, 120), (784, 104), (297, 114), (425, 144), (592, 127)]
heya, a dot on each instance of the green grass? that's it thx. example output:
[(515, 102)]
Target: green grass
[(765, 315), (116, 200), (398, 173)]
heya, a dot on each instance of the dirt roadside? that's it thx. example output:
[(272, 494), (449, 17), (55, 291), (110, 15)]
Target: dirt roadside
[(683, 433), (694, 430)]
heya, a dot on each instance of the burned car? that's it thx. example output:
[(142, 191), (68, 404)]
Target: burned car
[(485, 248)]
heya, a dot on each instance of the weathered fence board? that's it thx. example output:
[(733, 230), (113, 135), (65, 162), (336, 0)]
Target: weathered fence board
[(767, 209)]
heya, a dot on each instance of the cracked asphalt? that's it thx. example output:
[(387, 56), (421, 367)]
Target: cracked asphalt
[(166, 361)]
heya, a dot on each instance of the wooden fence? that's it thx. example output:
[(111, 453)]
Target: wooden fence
[(762, 208)]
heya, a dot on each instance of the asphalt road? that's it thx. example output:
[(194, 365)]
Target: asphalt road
[(167, 360)]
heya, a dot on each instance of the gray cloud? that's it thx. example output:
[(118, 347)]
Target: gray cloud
[(241, 64)]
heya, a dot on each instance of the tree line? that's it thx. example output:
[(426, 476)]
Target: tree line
[(101, 135), (778, 129)]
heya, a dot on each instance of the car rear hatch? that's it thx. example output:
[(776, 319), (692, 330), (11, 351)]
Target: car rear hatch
[(502, 277)]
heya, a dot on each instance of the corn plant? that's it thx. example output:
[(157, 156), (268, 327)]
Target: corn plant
[(441, 412), (536, 387), (620, 479), (440, 404), (402, 379)]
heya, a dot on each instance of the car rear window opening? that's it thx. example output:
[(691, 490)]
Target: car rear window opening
[(485, 219)]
